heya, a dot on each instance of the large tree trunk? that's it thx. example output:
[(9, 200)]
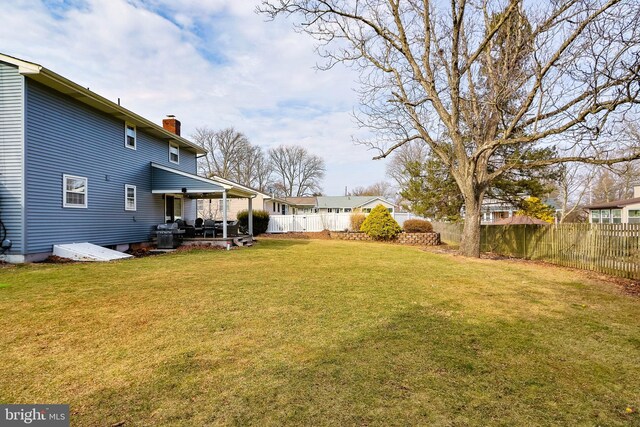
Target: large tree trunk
[(470, 245)]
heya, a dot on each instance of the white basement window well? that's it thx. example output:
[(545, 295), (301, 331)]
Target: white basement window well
[(130, 136), (130, 198), (174, 152), (74, 191)]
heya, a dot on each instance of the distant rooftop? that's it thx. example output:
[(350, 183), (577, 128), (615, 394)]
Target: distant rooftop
[(614, 203), (345, 201), (301, 201)]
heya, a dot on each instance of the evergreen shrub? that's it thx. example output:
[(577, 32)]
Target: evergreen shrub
[(380, 225), (260, 221)]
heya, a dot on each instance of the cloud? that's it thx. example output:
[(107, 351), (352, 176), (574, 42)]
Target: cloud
[(215, 63)]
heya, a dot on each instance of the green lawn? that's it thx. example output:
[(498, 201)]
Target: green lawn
[(320, 333)]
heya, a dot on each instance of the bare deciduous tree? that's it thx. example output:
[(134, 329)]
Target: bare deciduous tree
[(616, 182), (398, 166), (296, 172), (253, 168), (572, 189), (231, 156), (485, 83), (381, 188)]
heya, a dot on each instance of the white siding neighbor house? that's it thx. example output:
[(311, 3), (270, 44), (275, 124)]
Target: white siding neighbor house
[(212, 209), (346, 204), (625, 211)]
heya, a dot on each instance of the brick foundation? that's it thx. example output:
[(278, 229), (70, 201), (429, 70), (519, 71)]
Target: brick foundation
[(416, 239)]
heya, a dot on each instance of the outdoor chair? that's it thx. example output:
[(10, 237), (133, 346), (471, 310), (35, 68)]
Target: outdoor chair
[(209, 226), (189, 230), (199, 226)]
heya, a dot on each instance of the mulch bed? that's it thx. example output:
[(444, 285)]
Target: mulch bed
[(55, 259), (140, 253)]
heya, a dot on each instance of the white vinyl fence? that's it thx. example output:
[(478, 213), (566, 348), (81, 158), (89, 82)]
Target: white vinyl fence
[(319, 222)]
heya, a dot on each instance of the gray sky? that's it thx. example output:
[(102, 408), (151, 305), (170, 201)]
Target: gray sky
[(211, 63)]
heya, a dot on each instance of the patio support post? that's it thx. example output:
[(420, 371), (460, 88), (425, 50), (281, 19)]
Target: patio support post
[(250, 219), (224, 214)]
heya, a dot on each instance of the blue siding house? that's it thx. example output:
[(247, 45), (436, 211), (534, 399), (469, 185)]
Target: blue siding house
[(76, 167)]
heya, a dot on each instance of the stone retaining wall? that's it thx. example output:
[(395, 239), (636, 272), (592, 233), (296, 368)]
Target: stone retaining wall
[(417, 239)]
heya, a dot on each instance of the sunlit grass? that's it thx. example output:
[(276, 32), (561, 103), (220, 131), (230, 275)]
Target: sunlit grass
[(319, 333)]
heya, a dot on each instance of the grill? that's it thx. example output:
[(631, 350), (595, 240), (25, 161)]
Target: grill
[(169, 236)]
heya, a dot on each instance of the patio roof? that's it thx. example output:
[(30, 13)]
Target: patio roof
[(166, 180)]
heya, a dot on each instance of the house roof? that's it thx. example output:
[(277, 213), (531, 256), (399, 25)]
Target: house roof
[(166, 180), (614, 203), (301, 201), (61, 84), (519, 220), (347, 201)]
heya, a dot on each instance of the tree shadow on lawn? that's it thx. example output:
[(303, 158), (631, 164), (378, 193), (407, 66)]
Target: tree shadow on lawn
[(421, 367)]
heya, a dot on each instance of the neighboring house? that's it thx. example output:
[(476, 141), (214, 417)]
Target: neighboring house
[(212, 209), (292, 205), (278, 206), (76, 167), (494, 210), (343, 204), (302, 205), (617, 211)]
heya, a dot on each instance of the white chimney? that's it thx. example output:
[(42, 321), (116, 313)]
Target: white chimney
[(636, 191)]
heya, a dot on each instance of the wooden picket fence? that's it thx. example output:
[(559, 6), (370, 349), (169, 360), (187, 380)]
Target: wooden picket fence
[(606, 248)]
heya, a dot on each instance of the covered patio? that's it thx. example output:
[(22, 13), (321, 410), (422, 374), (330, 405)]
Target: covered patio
[(174, 184)]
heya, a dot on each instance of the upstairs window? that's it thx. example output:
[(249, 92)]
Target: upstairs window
[(74, 189), (174, 152), (130, 136), (130, 203)]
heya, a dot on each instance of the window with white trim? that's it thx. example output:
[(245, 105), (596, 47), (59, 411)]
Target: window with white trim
[(616, 216), (634, 216), (130, 136), (130, 202), (174, 152), (74, 191)]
